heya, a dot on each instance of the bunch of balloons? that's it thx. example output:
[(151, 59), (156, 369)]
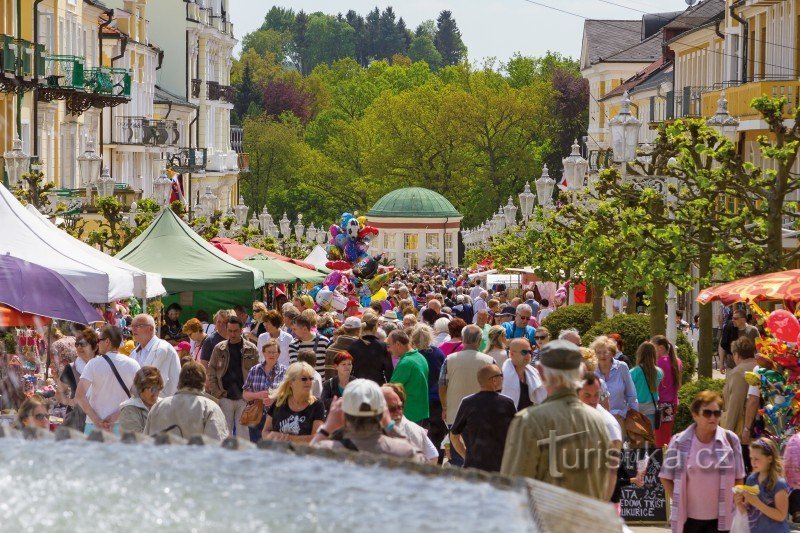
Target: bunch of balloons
[(355, 272)]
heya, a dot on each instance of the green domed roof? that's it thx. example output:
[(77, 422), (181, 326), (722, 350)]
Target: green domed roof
[(413, 202)]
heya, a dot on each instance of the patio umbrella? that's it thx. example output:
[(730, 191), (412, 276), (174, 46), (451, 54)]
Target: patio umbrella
[(34, 289), (10, 318), (277, 271), (773, 286)]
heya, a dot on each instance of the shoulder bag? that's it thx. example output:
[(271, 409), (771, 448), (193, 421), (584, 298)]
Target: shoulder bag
[(116, 375), (252, 414)]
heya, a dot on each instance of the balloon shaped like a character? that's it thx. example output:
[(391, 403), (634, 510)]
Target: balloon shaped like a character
[(783, 325), (324, 298)]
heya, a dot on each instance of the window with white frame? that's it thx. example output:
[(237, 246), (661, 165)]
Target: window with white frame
[(389, 241), (448, 241), (432, 241), (69, 154), (47, 32), (410, 241)]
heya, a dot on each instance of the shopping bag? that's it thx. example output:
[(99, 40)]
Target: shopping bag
[(740, 523)]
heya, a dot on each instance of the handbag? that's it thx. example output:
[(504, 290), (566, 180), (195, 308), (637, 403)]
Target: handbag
[(75, 419), (251, 416), (657, 415), (638, 429)]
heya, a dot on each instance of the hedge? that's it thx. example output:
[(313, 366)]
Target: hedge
[(635, 329), (578, 316), (685, 396)]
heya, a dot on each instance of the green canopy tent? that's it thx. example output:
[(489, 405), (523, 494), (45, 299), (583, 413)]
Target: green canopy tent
[(195, 273), (276, 271)]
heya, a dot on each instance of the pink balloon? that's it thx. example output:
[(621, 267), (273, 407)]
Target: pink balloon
[(783, 325)]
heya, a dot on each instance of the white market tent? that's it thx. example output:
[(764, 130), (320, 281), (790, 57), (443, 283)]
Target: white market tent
[(318, 257), (145, 284), (23, 236)]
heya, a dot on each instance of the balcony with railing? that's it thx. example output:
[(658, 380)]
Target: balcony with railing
[(189, 160), (739, 97), (243, 162), (689, 102), (20, 61), (237, 139), (213, 90), (145, 131), (63, 72)]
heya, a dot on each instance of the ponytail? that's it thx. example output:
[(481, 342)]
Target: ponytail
[(673, 357)]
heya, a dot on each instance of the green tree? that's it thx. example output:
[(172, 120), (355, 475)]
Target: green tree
[(328, 39), (279, 19), (423, 49), (448, 39)]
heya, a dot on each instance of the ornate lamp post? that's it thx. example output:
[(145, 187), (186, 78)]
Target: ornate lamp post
[(624, 132), (240, 212), (321, 235), (161, 188), (17, 162), (299, 228), (510, 211), (264, 220), (253, 224), (105, 184), (575, 168), (722, 121), (208, 202), (544, 188), (286, 226), (89, 164), (526, 198)]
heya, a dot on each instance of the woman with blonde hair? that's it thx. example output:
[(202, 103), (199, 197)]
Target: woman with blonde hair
[(617, 377), (295, 414), (259, 316), (496, 348)]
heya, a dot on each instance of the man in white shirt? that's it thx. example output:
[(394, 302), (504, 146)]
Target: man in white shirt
[(152, 351), (590, 395), (272, 323), (479, 304), (475, 291), (395, 396), (110, 377)]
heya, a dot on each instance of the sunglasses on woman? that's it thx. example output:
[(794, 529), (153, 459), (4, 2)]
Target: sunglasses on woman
[(305, 378), (40, 416), (81, 343), (708, 413)]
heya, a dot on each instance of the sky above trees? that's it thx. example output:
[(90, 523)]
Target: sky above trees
[(490, 29)]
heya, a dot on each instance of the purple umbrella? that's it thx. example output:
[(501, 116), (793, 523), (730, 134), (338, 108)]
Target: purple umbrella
[(37, 290)]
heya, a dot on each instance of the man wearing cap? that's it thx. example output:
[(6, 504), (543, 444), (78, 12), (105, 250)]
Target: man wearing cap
[(562, 441), (352, 329), (519, 327), (352, 309), (458, 377), (357, 420)]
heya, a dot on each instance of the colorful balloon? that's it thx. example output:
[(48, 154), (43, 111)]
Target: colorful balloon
[(783, 325), (380, 295)]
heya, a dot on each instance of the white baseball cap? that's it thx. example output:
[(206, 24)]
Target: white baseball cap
[(352, 322), (363, 397)]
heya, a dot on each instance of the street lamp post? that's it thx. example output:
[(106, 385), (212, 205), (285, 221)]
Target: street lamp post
[(105, 184), (240, 212), (624, 132), (575, 168), (285, 226), (89, 164), (722, 121), (299, 228), (510, 211), (162, 186), (208, 202), (526, 198), (17, 162), (544, 188)]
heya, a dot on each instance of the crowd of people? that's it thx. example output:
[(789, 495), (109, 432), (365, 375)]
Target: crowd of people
[(444, 371)]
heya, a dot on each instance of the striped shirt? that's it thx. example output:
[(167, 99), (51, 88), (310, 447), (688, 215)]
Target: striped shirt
[(319, 344)]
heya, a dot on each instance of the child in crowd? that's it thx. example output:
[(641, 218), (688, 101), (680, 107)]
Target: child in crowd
[(768, 510)]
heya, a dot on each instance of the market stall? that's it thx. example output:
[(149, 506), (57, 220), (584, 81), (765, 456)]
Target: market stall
[(24, 236), (194, 273)]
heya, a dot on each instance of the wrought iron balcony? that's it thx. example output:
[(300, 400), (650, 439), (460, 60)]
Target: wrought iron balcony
[(237, 138), (145, 131), (227, 93), (62, 74), (213, 89), (689, 102), (600, 159), (20, 61), (188, 160), (196, 87)]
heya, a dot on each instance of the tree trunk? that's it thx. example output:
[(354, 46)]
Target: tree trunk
[(597, 304), (630, 308), (705, 344), (658, 323)]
